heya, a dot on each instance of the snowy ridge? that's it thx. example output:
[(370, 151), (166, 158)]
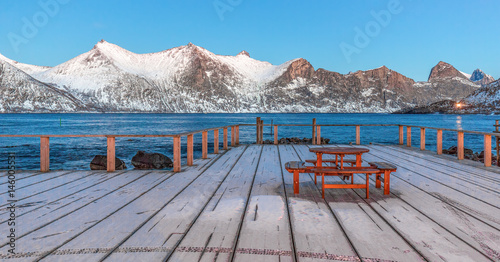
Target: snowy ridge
[(190, 79)]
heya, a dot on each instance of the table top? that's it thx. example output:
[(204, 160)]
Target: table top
[(339, 150)]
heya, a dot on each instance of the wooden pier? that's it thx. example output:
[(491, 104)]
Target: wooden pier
[(239, 205)]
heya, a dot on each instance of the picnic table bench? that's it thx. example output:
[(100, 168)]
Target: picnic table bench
[(377, 168)]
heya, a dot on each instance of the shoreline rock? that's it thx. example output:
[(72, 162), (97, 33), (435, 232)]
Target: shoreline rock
[(144, 160), (100, 162)]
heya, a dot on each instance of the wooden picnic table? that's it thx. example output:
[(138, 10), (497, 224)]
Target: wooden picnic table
[(338, 152)]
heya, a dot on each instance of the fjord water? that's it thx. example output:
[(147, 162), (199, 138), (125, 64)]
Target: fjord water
[(76, 153)]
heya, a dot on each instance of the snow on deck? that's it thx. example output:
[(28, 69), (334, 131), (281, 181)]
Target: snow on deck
[(239, 206)]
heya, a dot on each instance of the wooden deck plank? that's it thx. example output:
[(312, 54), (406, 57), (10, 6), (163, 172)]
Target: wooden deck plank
[(476, 233), (471, 176), (265, 234), (28, 204), (468, 166), (111, 231), (367, 227), (63, 229), (30, 191), (213, 235), (317, 234), (27, 193), (159, 237), (31, 180), (20, 175), (422, 173), (473, 203), (432, 240), (39, 217)]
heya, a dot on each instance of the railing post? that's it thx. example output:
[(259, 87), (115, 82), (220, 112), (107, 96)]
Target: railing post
[(257, 131), (261, 132), (190, 150), (487, 150), (233, 136), (275, 135), (44, 154), (237, 135), (177, 153), (224, 146), (408, 136), (216, 141), (401, 135), (314, 132), (439, 141), (204, 144), (460, 147), (358, 135), (318, 135), (111, 154), (422, 138)]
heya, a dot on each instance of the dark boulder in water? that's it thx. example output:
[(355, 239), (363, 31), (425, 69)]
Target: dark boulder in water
[(100, 162), (143, 160)]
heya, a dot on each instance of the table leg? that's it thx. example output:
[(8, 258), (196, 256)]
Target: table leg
[(296, 182), (323, 184), (367, 186), (377, 180), (319, 159), (387, 182), (358, 160)]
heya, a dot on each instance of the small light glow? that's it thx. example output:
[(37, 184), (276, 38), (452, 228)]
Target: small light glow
[(459, 105)]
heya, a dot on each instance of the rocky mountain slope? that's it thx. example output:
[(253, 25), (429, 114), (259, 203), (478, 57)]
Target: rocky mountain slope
[(485, 100), (189, 78)]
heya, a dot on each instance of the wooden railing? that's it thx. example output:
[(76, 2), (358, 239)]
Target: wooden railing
[(316, 136), (235, 133), (111, 140), (460, 140)]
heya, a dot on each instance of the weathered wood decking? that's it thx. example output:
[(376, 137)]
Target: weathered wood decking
[(239, 206)]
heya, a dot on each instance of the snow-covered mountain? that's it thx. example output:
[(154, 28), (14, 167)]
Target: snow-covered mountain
[(479, 77), (189, 78)]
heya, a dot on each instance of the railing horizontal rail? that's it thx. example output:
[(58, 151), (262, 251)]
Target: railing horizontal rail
[(457, 130)]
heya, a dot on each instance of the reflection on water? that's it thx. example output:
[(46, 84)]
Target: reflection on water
[(459, 122)]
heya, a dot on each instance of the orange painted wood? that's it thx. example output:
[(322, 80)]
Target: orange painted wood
[(422, 138), (314, 132), (460, 146), (387, 182), (408, 136), (177, 154), (439, 141), (233, 136), (487, 150), (237, 135), (261, 132), (111, 154), (275, 135), (401, 135), (318, 135), (190, 150), (204, 145), (216, 141), (358, 135), (224, 145), (257, 131), (44, 154), (296, 182)]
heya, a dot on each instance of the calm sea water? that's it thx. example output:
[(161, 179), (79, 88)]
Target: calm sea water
[(76, 153)]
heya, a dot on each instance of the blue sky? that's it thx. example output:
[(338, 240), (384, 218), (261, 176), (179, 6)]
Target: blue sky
[(408, 36)]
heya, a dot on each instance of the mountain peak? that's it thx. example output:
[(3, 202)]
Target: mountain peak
[(444, 70), (244, 53), (480, 77)]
